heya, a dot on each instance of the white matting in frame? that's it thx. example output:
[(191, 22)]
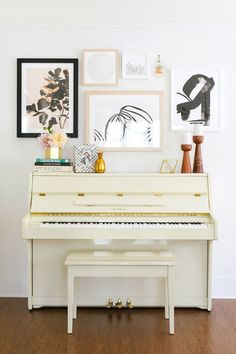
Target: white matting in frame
[(100, 67), (195, 97), (124, 120), (134, 65)]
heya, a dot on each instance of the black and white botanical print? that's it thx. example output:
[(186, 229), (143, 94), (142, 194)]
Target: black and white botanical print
[(130, 120), (195, 99), (125, 121), (51, 108), (47, 96)]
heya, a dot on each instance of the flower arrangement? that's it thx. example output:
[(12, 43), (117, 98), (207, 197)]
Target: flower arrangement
[(51, 139)]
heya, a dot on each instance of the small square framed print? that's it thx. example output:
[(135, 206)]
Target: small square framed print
[(134, 65), (100, 67), (85, 157), (47, 96)]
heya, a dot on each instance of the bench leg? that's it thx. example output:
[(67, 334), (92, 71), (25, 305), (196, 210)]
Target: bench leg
[(70, 292), (166, 298), (75, 298), (171, 299)]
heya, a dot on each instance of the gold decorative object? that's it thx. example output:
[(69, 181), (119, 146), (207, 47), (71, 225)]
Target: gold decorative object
[(53, 153), (129, 303), (119, 303), (168, 166), (100, 166), (158, 67), (110, 304)]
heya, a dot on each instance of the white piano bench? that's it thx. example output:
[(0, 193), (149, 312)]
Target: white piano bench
[(121, 264)]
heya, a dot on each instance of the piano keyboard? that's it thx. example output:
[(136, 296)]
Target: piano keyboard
[(110, 224)]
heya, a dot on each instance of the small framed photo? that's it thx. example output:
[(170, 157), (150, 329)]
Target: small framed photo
[(195, 98), (47, 96), (85, 157), (134, 65), (100, 67), (124, 120)]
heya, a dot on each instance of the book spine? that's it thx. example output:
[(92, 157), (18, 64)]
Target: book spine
[(53, 163), (52, 160), (53, 168)]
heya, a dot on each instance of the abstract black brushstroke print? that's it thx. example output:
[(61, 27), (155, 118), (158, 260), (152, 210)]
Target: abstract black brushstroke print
[(202, 98)]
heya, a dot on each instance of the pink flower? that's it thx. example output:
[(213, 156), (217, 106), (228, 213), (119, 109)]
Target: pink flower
[(45, 140)]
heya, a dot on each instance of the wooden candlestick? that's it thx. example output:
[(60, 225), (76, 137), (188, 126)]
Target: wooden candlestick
[(186, 164), (198, 164)]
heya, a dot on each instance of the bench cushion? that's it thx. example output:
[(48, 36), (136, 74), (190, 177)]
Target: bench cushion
[(119, 258)]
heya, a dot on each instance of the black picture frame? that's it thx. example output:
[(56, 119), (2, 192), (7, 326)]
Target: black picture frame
[(54, 98)]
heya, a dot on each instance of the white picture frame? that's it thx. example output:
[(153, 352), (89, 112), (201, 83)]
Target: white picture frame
[(134, 65), (100, 67), (195, 97), (125, 120)]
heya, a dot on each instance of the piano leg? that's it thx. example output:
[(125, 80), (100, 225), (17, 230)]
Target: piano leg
[(30, 275), (166, 296), (209, 275)]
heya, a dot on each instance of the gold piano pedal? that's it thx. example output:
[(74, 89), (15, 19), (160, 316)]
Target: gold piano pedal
[(129, 303), (110, 304), (119, 303)]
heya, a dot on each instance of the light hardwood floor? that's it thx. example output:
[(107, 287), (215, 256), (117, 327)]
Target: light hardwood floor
[(116, 331)]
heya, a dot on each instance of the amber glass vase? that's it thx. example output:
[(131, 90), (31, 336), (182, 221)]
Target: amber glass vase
[(100, 166)]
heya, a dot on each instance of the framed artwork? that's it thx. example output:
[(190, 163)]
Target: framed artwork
[(47, 96), (134, 65), (124, 120), (85, 157), (100, 67), (195, 97)]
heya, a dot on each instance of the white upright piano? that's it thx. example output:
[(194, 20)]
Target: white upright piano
[(119, 211)]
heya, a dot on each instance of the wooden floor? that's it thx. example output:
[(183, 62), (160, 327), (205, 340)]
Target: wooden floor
[(116, 331)]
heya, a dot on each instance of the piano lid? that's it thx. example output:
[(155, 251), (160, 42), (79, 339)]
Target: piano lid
[(119, 193)]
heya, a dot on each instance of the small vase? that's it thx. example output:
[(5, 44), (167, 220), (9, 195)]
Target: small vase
[(53, 153), (100, 166)]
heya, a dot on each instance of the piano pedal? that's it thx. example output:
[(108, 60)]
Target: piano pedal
[(110, 304), (119, 304), (129, 303)]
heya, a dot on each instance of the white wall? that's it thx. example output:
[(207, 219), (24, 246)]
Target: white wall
[(121, 10), (180, 45)]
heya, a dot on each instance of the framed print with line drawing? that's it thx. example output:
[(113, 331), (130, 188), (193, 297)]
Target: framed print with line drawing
[(47, 96), (124, 120)]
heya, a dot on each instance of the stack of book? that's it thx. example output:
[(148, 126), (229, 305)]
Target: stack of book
[(53, 165)]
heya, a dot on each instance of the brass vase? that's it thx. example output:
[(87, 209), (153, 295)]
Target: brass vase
[(100, 166), (53, 153)]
